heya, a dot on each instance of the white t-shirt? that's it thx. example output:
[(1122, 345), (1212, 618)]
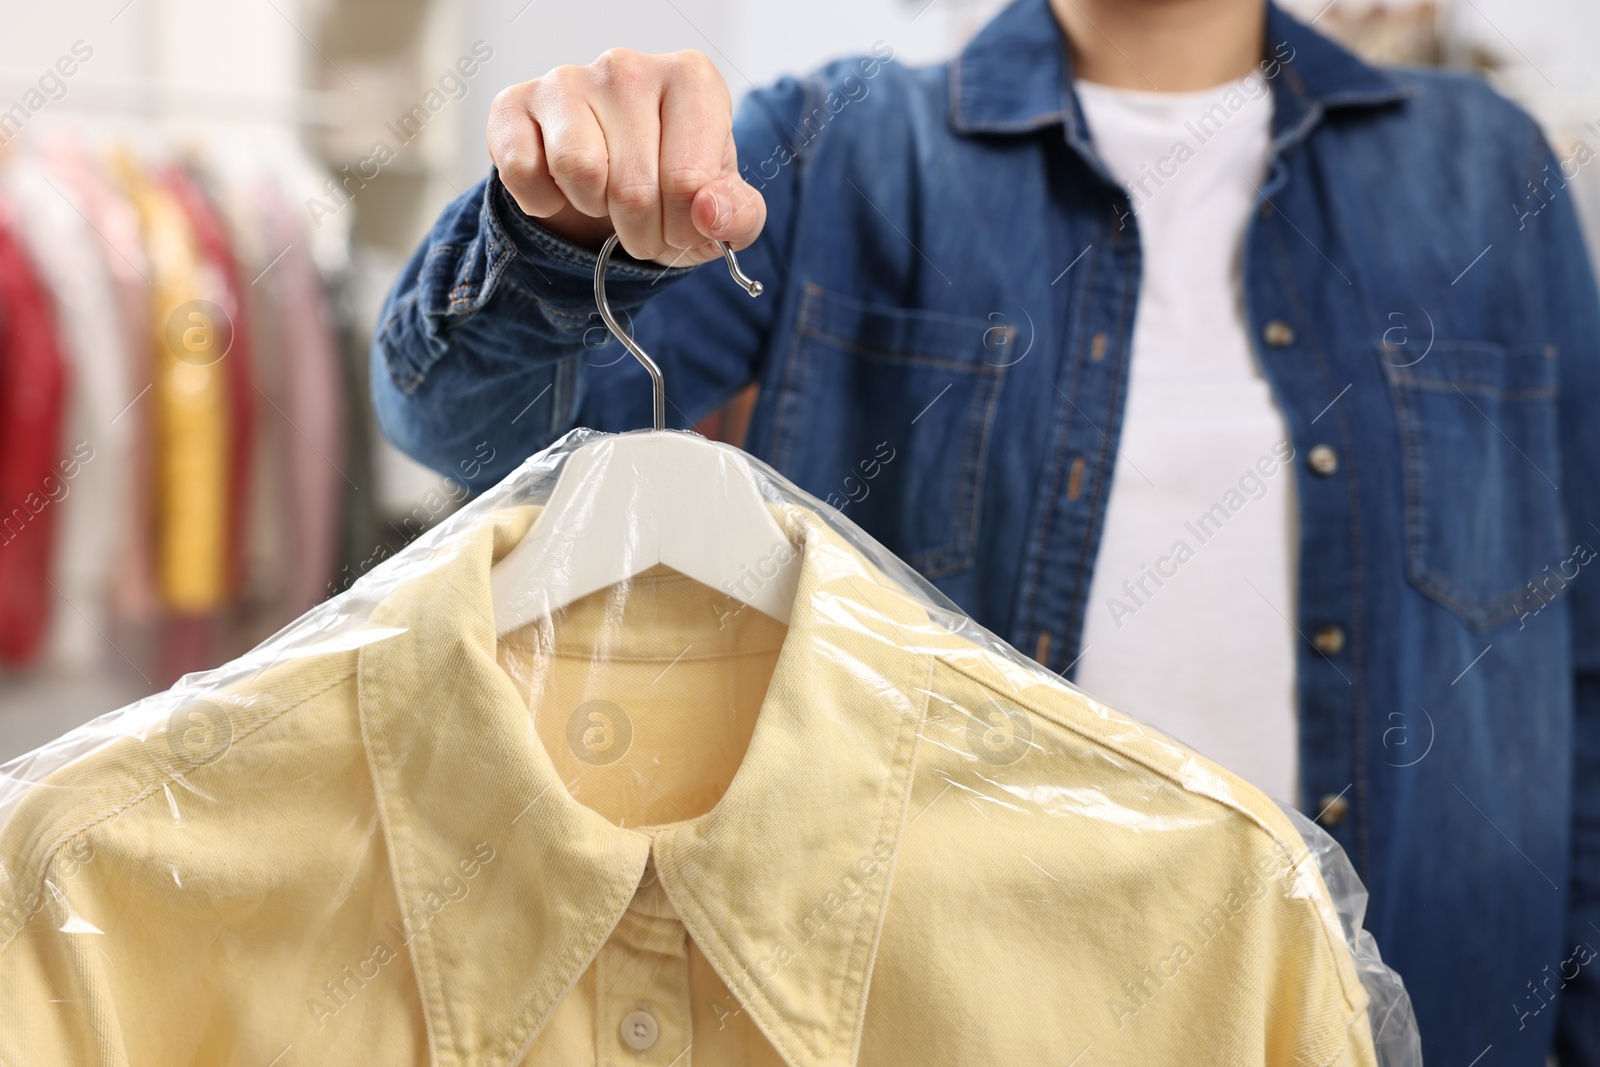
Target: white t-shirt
[(1188, 624)]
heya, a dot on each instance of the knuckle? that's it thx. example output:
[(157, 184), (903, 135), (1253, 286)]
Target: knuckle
[(619, 64), (692, 63), (510, 153), (548, 95), (520, 173), (624, 70), (682, 178), (696, 69), (635, 197), (565, 78), (514, 165), (502, 142), (581, 166), (507, 112), (509, 100)]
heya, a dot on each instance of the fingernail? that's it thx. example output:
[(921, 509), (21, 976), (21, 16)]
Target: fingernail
[(722, 213)]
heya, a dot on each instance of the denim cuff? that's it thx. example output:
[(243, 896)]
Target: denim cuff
[(561, 273)]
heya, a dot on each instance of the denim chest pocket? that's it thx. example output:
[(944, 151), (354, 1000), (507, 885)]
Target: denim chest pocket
[(1483, 515), (886, 413)]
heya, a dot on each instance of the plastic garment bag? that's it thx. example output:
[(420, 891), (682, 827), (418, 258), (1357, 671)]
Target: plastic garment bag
[(656, 824), (561, 785)]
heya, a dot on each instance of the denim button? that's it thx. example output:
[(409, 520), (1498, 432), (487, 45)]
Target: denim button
[(1278, 334), (1329, 640), (640, 1030), (1323, 459), (1332, 810)]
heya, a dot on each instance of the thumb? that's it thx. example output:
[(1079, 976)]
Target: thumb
[(729, 209)]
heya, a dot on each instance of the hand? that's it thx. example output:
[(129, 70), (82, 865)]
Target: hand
[(639, 144)]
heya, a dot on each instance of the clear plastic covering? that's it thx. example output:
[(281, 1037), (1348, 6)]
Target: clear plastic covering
[(479, 809)]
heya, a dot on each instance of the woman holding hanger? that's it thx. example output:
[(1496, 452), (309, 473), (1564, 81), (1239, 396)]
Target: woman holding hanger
[(1245, 384)]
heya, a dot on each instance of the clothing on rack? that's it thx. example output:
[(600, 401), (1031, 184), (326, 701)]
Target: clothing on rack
[(268, 558), (34, 380), (190, 400), (204, 418), (53, 224), (229, 344), (314, 408), (132, 600)]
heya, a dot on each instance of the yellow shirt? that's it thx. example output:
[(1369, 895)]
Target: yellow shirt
[(866, 838), (190, 401)]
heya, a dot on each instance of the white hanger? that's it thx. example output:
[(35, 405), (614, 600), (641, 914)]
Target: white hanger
[(624, 503)]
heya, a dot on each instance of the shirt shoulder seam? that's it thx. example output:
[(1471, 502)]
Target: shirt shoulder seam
[(1295, 857), (1038, 708), (150, 790)]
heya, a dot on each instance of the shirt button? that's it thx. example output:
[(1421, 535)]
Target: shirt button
[(1332, 810), (1329, 640), (1323, 459), (1278, 334), (639, 1030)]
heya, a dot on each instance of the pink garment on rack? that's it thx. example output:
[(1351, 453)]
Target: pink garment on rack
[(267, 564), (134, 600), (313, 406)]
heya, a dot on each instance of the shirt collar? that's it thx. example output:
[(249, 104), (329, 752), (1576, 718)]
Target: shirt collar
[(1015, 75), (782, 885)]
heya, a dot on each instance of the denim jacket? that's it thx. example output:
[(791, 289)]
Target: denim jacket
[(942, 352)]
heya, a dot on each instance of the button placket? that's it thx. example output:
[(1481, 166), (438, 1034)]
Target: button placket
[(642, 1010)]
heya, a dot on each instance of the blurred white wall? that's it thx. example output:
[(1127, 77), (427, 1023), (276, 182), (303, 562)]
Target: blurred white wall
[(235, 58)]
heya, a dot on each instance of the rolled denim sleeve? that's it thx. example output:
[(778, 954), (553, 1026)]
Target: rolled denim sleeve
[(489, 345)]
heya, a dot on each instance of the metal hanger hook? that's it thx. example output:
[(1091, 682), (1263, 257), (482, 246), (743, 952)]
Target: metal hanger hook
[(657, 385)]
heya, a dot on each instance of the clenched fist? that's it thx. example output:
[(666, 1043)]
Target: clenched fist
[(639, 144)]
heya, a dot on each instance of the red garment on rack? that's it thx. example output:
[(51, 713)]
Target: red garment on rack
[(238, 364), (33, 405)]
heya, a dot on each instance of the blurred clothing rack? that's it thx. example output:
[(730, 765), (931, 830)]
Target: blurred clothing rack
[(195, 472)]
